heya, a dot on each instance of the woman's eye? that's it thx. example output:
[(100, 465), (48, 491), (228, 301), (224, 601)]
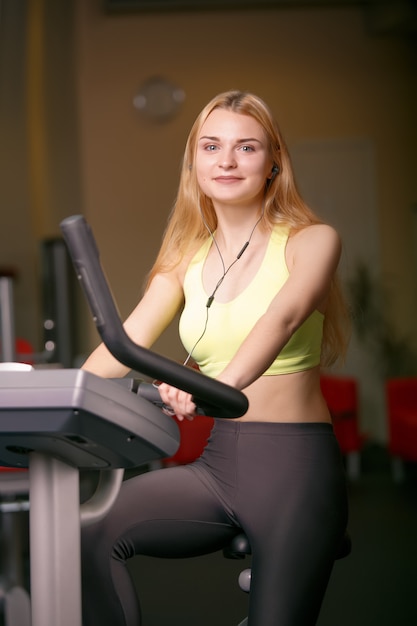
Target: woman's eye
[(247, 148), (210, 147)]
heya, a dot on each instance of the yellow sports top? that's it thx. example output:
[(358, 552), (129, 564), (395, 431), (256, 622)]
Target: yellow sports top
[(229, 323)]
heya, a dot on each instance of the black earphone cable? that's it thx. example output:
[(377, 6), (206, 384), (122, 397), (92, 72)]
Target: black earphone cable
[(221, 279)]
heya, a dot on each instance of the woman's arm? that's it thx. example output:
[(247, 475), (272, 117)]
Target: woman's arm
[(312, 255), (159, 305)]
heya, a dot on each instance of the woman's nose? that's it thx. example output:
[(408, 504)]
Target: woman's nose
[(227, 160)]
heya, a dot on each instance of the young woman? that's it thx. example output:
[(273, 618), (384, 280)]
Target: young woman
[(254, 274)]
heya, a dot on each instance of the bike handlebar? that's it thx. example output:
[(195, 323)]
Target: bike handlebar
[(150, 392), (213, 397)]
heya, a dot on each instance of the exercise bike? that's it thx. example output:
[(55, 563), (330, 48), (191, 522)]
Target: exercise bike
[(56, 422)]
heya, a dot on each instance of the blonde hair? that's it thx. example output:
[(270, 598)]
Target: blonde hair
[(282, 204)]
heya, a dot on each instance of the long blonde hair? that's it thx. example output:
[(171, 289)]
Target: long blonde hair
[(282, 204)]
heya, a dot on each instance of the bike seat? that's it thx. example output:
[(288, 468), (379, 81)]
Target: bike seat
[(239, 547)]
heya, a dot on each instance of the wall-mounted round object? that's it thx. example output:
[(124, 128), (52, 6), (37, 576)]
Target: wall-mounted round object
[(159, 99)]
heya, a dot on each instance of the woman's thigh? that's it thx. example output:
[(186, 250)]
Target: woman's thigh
[(166, 513)]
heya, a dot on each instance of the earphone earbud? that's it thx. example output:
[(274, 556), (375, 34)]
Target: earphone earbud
[(274, 172)]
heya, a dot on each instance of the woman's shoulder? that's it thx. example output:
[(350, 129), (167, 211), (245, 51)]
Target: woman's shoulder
[(316, 233), (314, 241)]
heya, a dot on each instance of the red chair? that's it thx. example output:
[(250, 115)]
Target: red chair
[(193, 438), (24, 351), (341, 395), (401, 397)]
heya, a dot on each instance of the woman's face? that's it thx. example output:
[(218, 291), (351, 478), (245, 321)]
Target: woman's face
[(232, 159)]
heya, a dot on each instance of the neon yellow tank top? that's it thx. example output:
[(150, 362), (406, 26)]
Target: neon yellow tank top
[(229, 323)]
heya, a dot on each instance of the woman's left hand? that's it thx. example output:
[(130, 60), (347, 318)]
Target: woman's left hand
[(179, 401)]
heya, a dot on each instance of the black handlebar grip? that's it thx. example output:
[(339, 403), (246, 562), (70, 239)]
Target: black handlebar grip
[(150, 392)]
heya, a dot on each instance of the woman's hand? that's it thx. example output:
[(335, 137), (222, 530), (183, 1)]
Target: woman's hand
[(179, 401)]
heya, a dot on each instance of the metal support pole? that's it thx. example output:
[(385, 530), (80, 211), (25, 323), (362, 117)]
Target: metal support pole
[(54, 542), (7, 333)]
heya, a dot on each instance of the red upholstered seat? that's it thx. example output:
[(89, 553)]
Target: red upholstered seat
[(193, 438), (341, 395), (401, 397)]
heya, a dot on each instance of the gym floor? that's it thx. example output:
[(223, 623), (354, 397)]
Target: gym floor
[(374, 586)]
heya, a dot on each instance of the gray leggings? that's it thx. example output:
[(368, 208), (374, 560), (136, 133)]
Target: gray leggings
[(283, 484)]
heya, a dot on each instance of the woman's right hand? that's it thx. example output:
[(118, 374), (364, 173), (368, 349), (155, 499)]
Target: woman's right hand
[(181, 402)]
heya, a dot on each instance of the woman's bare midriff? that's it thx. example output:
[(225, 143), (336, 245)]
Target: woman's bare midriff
[(287, 398)]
